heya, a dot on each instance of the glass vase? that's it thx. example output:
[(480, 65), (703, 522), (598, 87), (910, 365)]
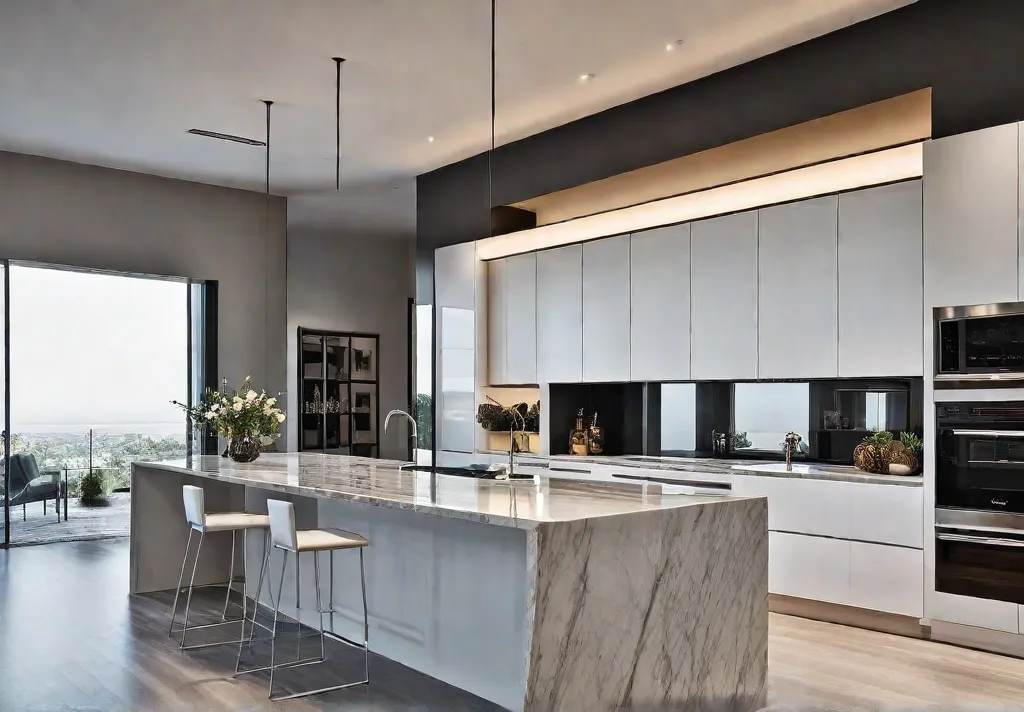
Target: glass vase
[(244, 447)]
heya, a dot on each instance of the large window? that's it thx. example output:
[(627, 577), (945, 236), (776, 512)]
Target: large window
[(95, 360), (763, 413), (424, 385)]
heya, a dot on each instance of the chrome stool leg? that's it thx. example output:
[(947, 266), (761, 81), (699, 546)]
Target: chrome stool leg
[(181, 580), (191, 585), (231, 577)]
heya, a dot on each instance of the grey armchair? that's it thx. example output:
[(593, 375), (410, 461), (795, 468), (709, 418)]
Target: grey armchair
[(28, 484)]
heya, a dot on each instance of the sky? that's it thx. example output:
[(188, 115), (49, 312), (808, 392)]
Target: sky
[(96, 350)]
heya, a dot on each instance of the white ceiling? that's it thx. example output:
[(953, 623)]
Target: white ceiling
[(118, 82)]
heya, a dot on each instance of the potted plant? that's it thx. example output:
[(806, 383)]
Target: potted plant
[(881, 453), (249, 420), (92, 491)]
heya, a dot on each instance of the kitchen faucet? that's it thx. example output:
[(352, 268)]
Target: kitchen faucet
[(792, 441), (414, 435), (514, 414)]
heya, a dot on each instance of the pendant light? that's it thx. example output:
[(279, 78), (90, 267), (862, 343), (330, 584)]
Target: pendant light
[(266, 245), (337, 121), (490, 153)]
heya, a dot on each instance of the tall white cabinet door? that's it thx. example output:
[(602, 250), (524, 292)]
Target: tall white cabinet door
[(497, 291), (659, 325), (560, 315), (881, 278), (971, 217), (723, 297), (521, 319), (797, 329), (606, 310)]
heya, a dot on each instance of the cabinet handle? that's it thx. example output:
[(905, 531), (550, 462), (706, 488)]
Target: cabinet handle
[(991, 433), (987, 541)]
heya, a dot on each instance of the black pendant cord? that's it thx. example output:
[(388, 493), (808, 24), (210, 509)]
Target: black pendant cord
[(266, 247), (490, 154), (337, 121)]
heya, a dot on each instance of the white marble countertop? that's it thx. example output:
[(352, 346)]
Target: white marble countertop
[(719, 466), (522, 503)]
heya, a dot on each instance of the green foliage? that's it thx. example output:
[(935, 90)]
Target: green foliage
[(740, 440), (424, 421), (92, 486), (880, 439), (911, 442)]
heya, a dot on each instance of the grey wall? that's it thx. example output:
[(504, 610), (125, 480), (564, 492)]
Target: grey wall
[(72, 214), (344, 281)]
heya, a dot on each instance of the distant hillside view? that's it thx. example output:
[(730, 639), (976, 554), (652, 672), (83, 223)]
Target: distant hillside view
[(102, 353)]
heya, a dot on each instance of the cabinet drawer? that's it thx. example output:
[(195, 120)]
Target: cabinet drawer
[(887, 578), (888, 514), (977, 612), (802, 506), (815, 568)]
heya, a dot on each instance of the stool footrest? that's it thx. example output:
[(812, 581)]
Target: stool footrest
[(307, 693)]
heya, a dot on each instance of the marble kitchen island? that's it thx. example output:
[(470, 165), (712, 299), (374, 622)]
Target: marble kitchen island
[(545, 594)]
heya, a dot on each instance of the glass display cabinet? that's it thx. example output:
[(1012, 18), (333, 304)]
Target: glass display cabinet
[(339, 392)]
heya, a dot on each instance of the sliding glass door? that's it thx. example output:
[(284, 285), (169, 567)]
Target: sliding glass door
[(5, 442)]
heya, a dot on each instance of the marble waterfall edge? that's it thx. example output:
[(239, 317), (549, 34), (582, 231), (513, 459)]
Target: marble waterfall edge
[(665, 610)]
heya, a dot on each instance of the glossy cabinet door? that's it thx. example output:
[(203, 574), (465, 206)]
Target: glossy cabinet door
[(881, 282), (560, 315), (887, 578), (812, 567), (723, 297), (606, 310), (497, 327), (797, 330), (521, 319), (659, 326), (971, 218)]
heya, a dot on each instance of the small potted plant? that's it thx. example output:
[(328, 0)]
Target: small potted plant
[(92, 489), (249, 420)]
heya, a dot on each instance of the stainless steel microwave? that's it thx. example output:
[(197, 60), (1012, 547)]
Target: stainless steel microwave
[(985, 340)]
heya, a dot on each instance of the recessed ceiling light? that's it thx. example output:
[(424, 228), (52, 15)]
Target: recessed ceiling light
[(671, 46), (430, 139), (587, 77)]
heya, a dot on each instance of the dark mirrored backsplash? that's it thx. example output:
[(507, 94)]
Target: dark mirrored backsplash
[(739, 419)]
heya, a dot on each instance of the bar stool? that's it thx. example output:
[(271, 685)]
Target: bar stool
[(284, 537), (201, 521)]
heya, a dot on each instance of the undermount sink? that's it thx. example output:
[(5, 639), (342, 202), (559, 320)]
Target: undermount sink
[(800, 468)]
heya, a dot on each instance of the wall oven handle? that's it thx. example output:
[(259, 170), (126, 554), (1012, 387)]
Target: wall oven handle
[(988, 541), (991, 433)]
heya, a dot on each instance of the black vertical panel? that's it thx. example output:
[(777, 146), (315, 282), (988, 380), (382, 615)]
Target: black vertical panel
[(210, 377)]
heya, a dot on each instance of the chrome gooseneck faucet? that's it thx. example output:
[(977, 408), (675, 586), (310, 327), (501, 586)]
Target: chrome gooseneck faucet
[(414, 435), (792, 441)]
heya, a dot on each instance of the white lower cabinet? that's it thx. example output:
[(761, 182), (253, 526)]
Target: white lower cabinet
[(811, 567), (1020, 618), (977, 612), (887, 578), (887, 514)]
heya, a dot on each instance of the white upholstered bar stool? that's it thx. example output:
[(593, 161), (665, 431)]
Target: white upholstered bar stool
[(201, 521), (285, 537)]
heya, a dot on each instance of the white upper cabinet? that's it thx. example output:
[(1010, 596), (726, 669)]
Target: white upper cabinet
[(723, 297), (497, 294), (971, 217), (606, 310), (797, 330), (659, 265), (455, 276), (521, 319), (881, 317), (560, 315)]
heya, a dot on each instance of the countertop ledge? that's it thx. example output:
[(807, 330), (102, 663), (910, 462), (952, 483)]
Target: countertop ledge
[(523, 504), (716, 466)]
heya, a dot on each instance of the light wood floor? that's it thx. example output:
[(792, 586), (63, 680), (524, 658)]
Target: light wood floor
[(72, 639)]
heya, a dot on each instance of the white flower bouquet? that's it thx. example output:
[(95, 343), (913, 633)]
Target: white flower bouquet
[(242, 413)]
